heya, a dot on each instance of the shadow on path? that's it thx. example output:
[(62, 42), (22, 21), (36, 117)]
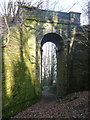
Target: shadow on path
[(48, 96), (48, 107)]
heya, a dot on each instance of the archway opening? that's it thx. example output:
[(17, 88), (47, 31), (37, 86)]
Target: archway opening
[(49, 67), (50, 45)]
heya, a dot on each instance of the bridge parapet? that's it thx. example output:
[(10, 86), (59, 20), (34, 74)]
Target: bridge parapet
[(52, 16), (46, 21)]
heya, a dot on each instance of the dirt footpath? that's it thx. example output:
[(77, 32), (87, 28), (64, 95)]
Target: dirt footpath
[(74, 105)]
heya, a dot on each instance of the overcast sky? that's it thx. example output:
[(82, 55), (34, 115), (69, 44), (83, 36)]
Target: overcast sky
[(64, 6)]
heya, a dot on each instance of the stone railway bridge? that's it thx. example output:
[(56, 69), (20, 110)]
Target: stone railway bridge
[(22, 56), (58, 28)]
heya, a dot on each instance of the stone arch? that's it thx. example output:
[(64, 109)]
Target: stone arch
[(61, 65), (54, 38)]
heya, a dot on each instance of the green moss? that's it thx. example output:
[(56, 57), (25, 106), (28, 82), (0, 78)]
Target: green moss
[(19, 87), (14, 109)]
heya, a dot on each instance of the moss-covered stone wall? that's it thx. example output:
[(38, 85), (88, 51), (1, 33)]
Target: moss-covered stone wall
[(20, 86), (0, 77), (78, 63), (62, 80)]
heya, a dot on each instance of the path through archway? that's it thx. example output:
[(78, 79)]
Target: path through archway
[(58, 41)]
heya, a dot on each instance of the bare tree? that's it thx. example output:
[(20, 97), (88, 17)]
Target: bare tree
[(9, 12)]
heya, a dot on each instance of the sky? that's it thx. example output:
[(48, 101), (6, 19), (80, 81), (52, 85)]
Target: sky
[(63, 6)]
